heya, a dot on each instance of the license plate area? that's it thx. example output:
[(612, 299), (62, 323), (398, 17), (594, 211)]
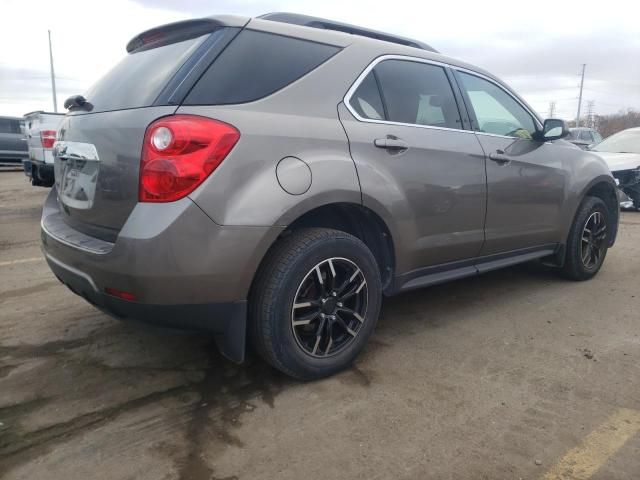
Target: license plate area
[(76, 171)]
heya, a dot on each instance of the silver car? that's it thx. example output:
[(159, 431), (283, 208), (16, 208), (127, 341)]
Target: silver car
[(269, 180)]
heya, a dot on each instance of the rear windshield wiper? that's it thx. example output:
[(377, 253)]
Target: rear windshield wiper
[(77, 102)]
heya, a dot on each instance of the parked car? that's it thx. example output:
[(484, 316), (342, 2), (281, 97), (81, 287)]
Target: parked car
[(272, 178), (41, 134), (583, 137), (13, 145), (621, 151)]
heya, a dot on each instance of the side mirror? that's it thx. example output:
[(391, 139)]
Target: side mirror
[(553, 129)]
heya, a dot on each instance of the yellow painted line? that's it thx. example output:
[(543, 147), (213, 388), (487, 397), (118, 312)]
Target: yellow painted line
[(582, 462), (21, 260)]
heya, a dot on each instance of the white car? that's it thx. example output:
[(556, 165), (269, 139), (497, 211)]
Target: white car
[(41, 130), (622, 153)]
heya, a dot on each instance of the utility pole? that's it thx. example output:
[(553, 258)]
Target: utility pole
[(590, 105), (552, 109), (584, 65), (53, 76)]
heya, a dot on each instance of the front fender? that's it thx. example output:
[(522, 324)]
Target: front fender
[(587, 174)]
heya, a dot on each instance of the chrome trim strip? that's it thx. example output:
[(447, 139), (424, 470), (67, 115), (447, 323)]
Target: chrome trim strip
[(75, 271), (76, 150), (371, 66)]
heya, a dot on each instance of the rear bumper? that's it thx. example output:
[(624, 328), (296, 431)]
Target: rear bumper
[(225, 320), (184, 270)]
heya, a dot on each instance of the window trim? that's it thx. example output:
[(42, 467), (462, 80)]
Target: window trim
[(471, 110), (382, 58)]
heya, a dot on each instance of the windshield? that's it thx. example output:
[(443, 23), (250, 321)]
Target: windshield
[(623, 142)]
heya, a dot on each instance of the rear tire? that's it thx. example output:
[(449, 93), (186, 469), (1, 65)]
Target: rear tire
[(333, 316), (35, 180), (588, 240)]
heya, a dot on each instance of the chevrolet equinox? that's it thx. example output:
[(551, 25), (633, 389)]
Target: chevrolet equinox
[(268, 180)]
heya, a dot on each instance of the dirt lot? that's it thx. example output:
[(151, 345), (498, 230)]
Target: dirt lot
[(515, 374)]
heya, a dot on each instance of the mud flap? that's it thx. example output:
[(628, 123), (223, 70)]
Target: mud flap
[(233, 342)]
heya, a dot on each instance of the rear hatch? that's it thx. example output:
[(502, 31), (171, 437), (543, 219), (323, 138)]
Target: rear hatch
[(97, 156)]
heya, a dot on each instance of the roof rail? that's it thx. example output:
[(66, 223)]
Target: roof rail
[(322, 23)]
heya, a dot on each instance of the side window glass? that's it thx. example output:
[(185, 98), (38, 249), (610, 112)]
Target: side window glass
[(597, 138), (366, 99), (417, 93), (497, 112), (585, 136), (256, 64)]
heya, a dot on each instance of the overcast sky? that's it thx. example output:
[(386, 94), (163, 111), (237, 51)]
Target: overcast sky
[(537, 49)]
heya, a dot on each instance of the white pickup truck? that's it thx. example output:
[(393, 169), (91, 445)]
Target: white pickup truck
[(41, 128)]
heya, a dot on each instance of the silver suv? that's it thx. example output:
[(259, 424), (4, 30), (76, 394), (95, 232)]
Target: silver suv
[(268, 180)]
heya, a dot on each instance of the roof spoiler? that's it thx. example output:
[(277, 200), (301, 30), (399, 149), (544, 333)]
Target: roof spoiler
[(322, 23), (179, 31)]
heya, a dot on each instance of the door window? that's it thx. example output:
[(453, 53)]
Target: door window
[(9, 125), (585, 136), (496, 111), (413, 92), (366, 100)]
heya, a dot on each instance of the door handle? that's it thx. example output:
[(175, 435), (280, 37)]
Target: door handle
[(499, 157), (392, 144)]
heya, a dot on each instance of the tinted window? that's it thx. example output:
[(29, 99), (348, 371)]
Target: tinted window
[(585, 136), (257, 64), (417, 93), (496, 111), (366, 99), (139, 77), (9, 125)]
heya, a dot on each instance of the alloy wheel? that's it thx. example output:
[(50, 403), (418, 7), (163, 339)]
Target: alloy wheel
[(594, 237), (330, 307)]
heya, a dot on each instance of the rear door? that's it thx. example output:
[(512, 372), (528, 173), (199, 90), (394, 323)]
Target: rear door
[(526, 180), (415, 161)]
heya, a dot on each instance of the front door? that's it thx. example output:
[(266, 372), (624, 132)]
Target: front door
[(418, 168), (526, 181)]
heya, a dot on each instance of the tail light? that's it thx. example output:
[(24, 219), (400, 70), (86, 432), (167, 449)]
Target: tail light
[(47, 138), (179, 153)]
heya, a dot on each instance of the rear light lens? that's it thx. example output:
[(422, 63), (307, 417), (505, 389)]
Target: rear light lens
[(179, 153), (128, 296), (47, 138)]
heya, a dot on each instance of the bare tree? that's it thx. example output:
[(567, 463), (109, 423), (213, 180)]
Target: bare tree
[(610, 124)]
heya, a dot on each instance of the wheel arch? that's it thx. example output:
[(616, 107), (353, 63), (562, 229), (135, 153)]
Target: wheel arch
[(355, 219), (604, 188)]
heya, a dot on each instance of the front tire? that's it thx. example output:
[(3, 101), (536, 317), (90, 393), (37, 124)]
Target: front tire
[(588, 240), (315, 302)]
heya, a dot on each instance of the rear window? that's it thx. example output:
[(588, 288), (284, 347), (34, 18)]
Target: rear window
[(9, 125), (257, 64), (139, 77)]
